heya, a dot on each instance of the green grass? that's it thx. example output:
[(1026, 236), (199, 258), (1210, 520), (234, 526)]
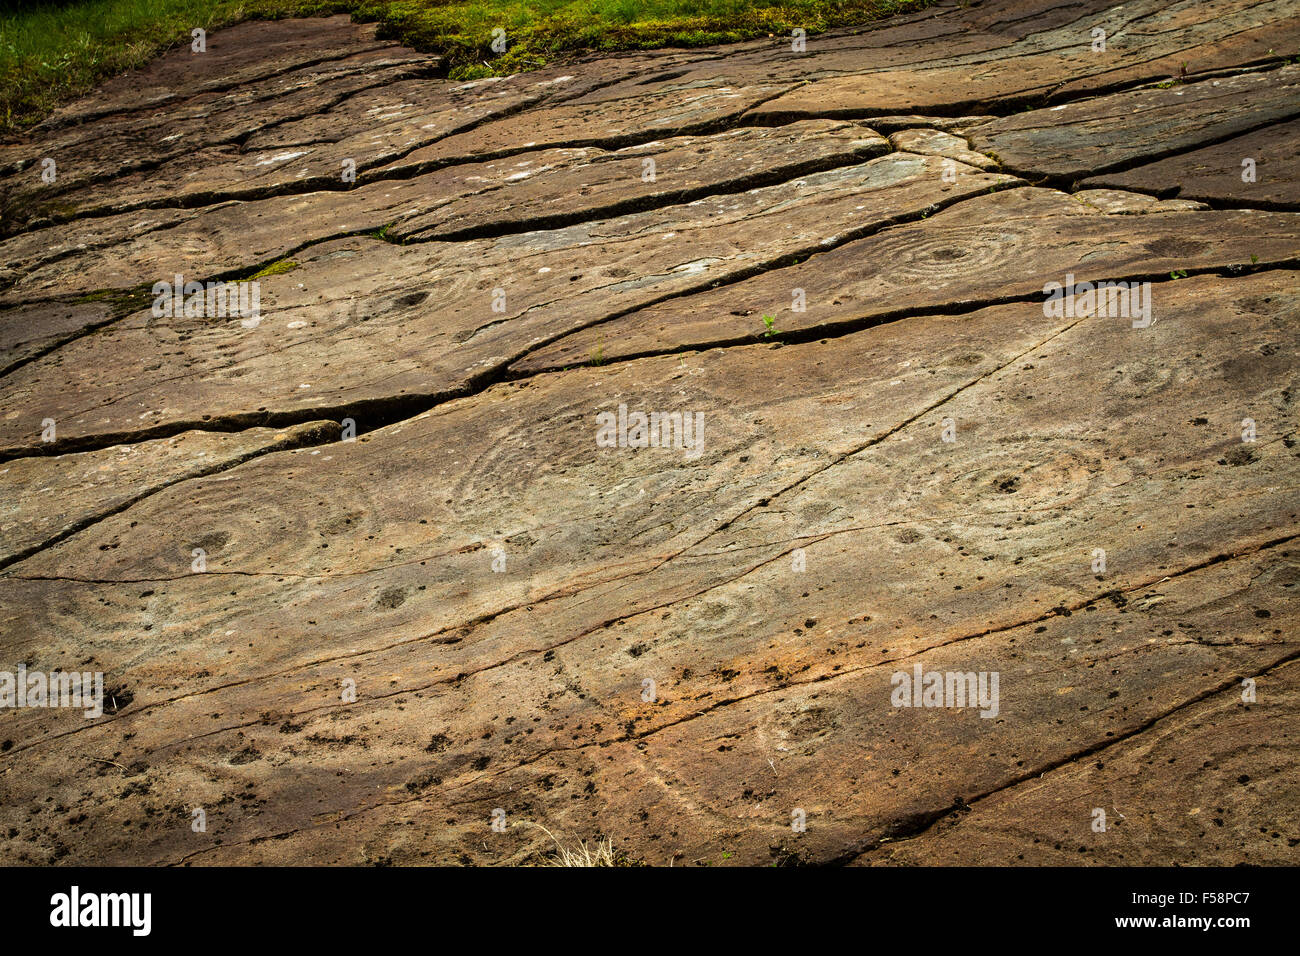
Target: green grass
[(56, 50), (277, 268)]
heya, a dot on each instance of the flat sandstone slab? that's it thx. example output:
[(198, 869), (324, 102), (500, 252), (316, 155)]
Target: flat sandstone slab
[(1222, 173), (362, 322), (1042, 52), (1095, 135), (472, 682), (528, 191), (364, 571), (48, 498), (1210, 793), (1004, 245)]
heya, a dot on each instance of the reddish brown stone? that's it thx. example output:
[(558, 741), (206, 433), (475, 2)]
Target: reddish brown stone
[(387, 486), (1219, 174)]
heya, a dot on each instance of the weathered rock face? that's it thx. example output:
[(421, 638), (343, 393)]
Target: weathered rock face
[(28, 331), (50, 498), (411, 323), (253, 76), (1017, 53), (991, 247), (934, 142), (1249, 170), (397, 552), (529, 190), (1109, 132)]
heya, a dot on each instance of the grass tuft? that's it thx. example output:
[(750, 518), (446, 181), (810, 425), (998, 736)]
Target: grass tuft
[(584, 854)]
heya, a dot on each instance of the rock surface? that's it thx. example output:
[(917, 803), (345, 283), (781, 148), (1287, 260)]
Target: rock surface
[(49, 499), (541, 188), (363, 569), (1120, 130), (1256, 170)]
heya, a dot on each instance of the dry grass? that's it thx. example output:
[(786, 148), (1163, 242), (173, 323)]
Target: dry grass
[(601, 854)]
